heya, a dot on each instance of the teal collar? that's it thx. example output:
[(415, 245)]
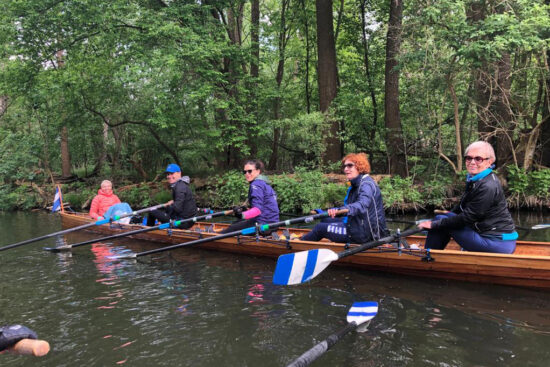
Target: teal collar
[(479, 176)]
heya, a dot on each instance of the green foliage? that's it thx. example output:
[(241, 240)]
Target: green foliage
[(18, 198), (436, 191), (535, 183), (397, 191), (162, 197), (137, 197), (228, 190), (78, 199)]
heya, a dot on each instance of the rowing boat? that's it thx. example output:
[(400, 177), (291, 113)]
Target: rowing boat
[(528, 266)]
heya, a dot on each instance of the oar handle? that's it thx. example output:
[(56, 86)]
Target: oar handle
[(319, 349), (440, 211), (37, 348), (373, 244)]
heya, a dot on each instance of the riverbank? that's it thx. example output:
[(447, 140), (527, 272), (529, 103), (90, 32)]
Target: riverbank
[(297, 193)]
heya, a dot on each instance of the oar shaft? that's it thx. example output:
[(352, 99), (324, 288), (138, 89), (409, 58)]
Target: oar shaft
[(321, 348), (83, 226), (87, 225), (160, 226), (372, 244), (244, 232)]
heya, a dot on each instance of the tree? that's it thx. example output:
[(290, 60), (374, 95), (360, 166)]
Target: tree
[(395, 143)]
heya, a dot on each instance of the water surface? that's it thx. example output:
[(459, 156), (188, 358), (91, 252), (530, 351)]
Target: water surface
[(193, 307)]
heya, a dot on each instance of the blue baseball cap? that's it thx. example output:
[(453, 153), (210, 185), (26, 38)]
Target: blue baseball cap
[(172, 168)]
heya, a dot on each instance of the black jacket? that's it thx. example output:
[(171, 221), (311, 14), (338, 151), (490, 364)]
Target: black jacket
[(184, 205), (482, 207)]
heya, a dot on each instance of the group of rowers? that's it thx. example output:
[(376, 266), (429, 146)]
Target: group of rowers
[(480, 222)]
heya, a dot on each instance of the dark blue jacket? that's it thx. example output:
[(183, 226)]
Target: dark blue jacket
[(262, 196), (366, 220)]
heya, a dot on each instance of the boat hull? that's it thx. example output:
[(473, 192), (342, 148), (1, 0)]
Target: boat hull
[(529, 266)]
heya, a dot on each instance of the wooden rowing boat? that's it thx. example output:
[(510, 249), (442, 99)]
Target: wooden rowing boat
[(529, 266)]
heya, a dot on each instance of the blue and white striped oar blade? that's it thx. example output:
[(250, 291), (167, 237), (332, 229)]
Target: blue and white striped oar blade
[(361, 312), (300, 267)]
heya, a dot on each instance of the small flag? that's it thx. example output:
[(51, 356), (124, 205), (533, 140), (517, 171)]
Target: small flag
[(57, 200)]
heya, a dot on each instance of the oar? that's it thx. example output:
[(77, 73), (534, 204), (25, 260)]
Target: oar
[(87, 225), (37, 348), (359, 313), (244, 232), (173, 223), (299, 267)]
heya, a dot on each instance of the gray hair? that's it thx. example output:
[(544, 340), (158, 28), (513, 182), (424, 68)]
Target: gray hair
[(106, 182), (488, 148)]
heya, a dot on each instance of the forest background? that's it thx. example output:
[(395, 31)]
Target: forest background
[(95, 89)]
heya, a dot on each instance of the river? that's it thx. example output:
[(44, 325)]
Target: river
[(195, 307)]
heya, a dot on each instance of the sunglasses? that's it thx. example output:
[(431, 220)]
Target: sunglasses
[(249, 171), (477, 159), (348, 165)]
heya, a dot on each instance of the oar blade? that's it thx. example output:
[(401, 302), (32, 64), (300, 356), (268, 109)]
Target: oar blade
[(300, 267), (541, 226), (361, 312)]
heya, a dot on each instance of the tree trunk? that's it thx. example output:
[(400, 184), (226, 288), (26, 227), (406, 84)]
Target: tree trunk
[(394, 139), (327, 78), (368, 73), (306, 35), (279, 79), (65, 156)]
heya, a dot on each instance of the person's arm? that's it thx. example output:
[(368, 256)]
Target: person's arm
[(473, 211), (94, 208), (257, 193), (11, 334), (365, 198), (180, 195)]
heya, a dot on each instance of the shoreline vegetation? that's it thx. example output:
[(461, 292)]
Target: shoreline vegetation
[(298, 192)]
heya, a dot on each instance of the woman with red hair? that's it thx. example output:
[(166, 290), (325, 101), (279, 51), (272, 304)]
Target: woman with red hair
[(365, 220)]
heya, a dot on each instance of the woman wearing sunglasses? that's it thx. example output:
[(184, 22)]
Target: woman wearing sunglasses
[(481, 222), (262, 199), (365, 220)]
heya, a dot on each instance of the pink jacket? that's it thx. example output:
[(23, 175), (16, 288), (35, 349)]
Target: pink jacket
[(102, 201)]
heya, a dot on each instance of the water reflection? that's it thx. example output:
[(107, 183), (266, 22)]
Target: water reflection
[(201, 308)]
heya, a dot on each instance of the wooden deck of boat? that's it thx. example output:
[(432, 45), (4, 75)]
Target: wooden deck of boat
[(529, 266)]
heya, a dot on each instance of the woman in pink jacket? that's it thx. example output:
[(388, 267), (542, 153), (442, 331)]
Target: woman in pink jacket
[(103, 200)]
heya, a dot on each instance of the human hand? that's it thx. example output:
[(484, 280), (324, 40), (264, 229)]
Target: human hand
[(425, 225), (332, 212)]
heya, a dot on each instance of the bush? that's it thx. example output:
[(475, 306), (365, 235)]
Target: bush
[(399, 192), (138, 197)]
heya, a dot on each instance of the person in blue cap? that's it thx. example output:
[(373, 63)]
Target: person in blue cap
[(481, 221), (182, 205)]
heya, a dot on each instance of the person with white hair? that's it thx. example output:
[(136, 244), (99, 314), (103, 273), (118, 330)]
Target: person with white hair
[(481, 221), (104, 199)]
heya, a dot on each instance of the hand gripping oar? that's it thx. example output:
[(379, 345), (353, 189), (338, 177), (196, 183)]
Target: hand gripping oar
[(245, 232), (299, 267), (173, 223), (87, 225), (359, 314)]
